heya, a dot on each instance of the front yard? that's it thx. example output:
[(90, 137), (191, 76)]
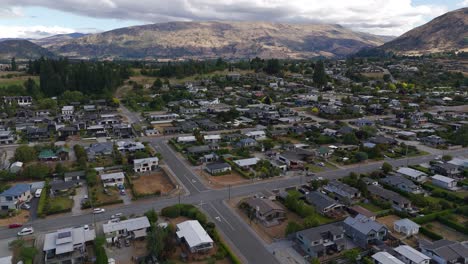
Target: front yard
[(60, 204), (100, 197)]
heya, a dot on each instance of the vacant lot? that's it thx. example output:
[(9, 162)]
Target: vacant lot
[(152, 183), (12, 78), (222, 181), (59, 204), (388, 220), (100, 197), (445, 231)]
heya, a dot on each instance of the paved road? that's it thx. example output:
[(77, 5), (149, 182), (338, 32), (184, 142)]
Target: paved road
[(235, 231)]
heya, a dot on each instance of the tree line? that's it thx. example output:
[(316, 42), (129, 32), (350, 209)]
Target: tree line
[(92, 78)]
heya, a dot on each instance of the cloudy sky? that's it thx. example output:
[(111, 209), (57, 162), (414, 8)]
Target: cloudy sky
[(41, 18)]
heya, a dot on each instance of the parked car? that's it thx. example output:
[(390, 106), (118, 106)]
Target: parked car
[(121, 187), (117, 215), (98, 210), (321, 164), (122, 192), (26, 231), (16, 225), (86, 227), (25, 206)]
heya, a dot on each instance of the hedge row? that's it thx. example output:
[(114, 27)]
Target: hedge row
[(452, 224), (429, 233), (175, 145), (237, 169), (42, 202), (88, 204), (431, 217)]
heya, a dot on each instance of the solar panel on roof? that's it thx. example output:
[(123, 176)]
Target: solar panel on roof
[(64, 234)]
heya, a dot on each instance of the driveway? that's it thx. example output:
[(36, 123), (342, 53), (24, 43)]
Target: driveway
[(80, 194)]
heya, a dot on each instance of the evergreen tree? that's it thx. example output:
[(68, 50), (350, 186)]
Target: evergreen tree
[(320, 77), (14, 67)]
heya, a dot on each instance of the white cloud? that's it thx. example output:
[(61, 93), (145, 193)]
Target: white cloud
[(463, 3), (389, 17), (10, 12), (32, 32)]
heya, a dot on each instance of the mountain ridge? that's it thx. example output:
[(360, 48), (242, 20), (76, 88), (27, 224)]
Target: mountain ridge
[(218, 39)]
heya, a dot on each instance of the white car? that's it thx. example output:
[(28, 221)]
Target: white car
[(98, 210), (117, 215), (86, 227), (26, 231)]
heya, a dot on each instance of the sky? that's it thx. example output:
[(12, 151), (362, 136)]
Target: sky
[(42, 18)]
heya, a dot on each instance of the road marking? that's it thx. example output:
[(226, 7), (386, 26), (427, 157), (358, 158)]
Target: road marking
[(225, 220)]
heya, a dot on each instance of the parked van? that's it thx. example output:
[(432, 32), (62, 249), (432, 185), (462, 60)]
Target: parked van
[(38, 192)]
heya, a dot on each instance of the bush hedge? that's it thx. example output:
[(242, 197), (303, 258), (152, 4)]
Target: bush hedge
[(429, 233)]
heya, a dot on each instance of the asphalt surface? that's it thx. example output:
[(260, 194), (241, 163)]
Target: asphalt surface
[(235, 231)]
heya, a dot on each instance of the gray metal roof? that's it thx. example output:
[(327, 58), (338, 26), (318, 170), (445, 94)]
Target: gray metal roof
[(363, 224)]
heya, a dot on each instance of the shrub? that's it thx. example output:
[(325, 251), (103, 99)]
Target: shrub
[(292, 227)]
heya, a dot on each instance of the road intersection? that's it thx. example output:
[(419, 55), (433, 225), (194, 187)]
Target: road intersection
[(236, 232)]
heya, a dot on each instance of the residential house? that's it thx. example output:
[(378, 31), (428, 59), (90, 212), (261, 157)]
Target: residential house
[(364, 231), (445, 251), (323, 203), (322, 240), (406, 227), (218, 168), (68, 245), (145, 164), (385, 258), (99, 149), (410, 255), (402, 184), (16, 167), (16, 195), (398, 202), (130, 146), (444, 182), (363, 122), (246, 143), (295, 158), (212, 138), (324, 152), (196, 150), (133, 227), (163, 118), (74, 175), (61, 187), (381, 140), (343, 192), (186, 139), (246, 163), (207, 124), (19, 100), (67, 112), (257, 135), (37, 133), (412, 174), (7, 137), (47, 155), (267, 212), (433, 140), (446, 169), (194, 237), (112, 179)]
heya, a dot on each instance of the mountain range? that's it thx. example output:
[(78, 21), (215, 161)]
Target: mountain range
[(237, 40), (448, 32)]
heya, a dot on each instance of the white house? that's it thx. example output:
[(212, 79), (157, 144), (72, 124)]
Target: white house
[(410, 255), (186, 139), (67, 245), (385, 258), (133, 227), (406, 226), (412, 174), (16, 166), (245, 163), (211, 138), (194, 236), (112, 179), (68, 110), (257, 135), (146, 164), (444, 182)]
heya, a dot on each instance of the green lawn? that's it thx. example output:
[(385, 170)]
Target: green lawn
[(16, 80), (59, 204), (371, 207)]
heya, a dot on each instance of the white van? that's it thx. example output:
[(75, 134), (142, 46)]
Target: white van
[(38, 193)]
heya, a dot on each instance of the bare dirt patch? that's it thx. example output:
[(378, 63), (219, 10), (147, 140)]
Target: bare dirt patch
[(21, 218), (152, 183), (388, 220), (223, 181)]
